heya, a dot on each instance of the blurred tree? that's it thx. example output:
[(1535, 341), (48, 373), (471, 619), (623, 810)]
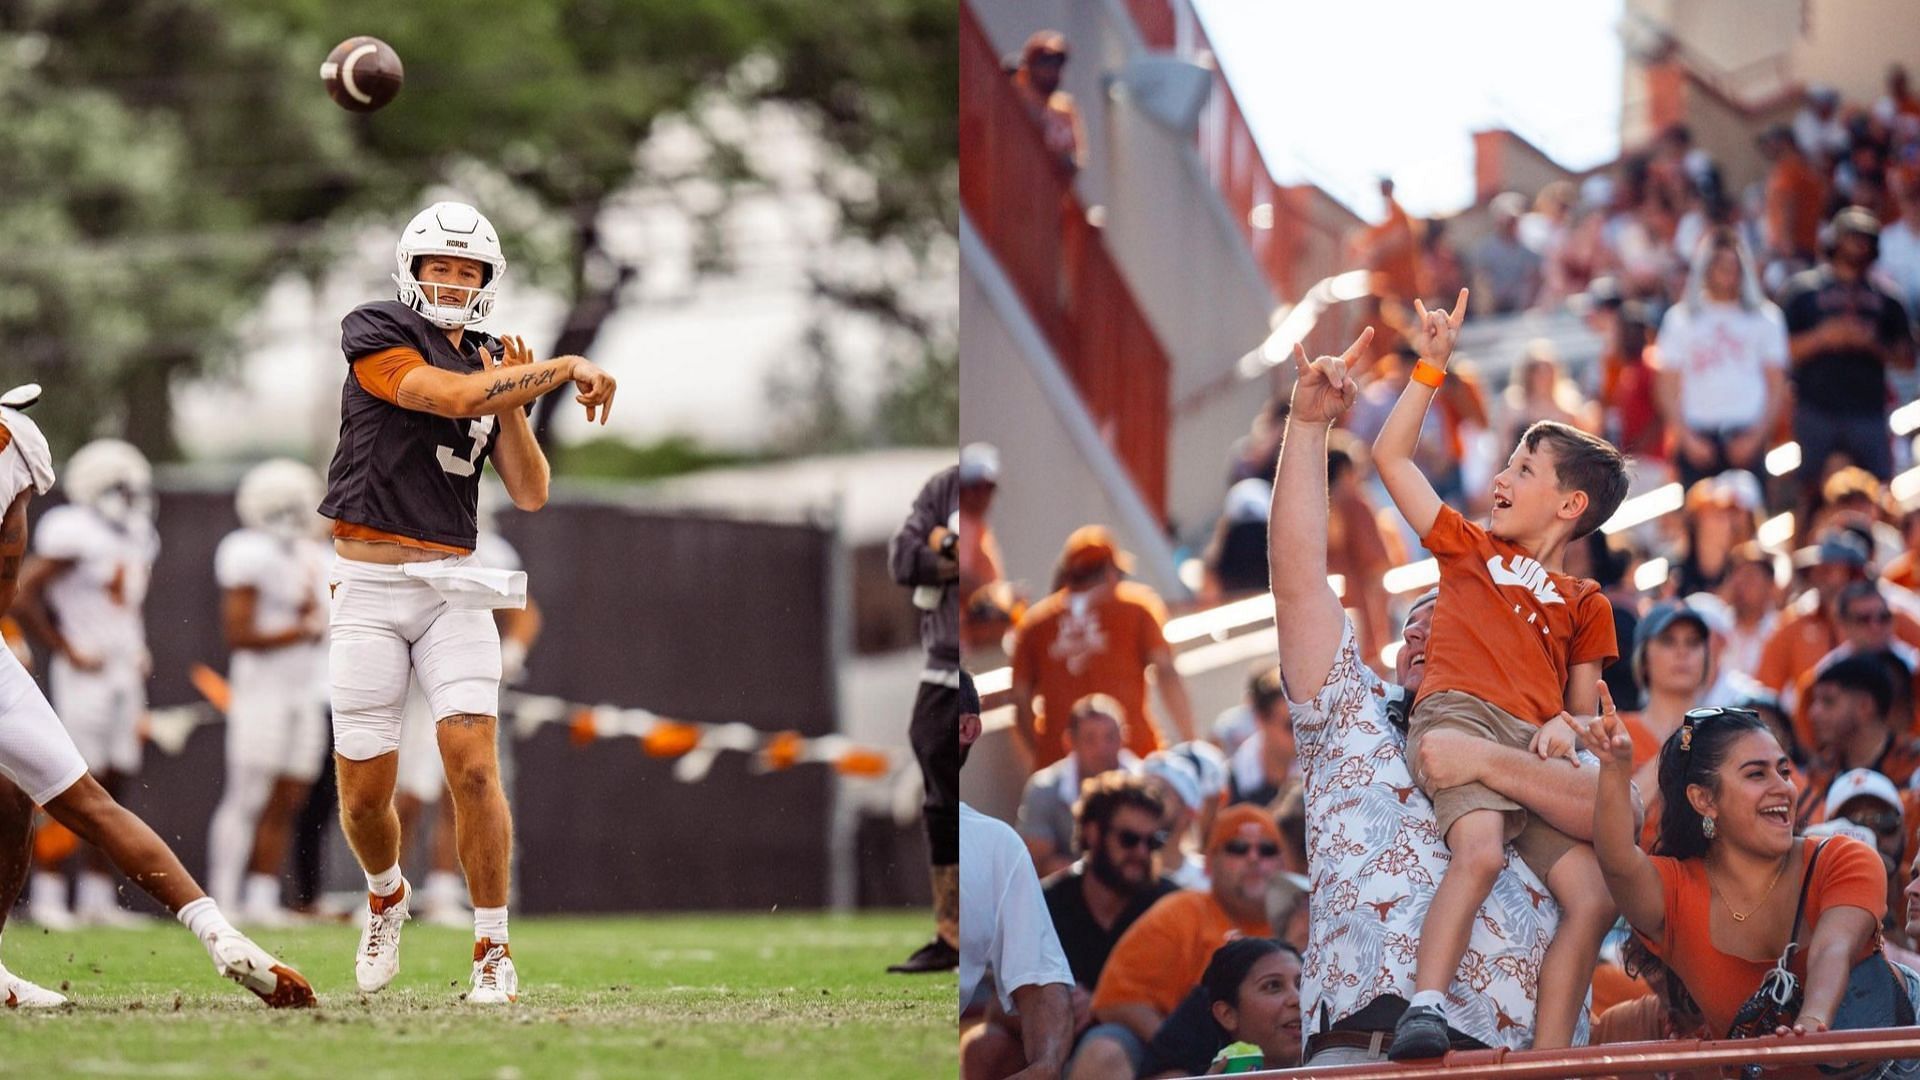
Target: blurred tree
[(165, 158)]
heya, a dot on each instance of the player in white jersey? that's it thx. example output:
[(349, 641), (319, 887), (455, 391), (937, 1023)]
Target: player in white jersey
[(82, 595), (423, 776), (39, 763), (272, 575)]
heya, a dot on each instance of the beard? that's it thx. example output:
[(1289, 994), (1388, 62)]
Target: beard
[(1107, 872)]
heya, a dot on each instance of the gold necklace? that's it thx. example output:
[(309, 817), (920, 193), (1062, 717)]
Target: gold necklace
[(1737, 917)]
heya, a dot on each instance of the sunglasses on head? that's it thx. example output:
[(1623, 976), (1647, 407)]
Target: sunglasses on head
[(1129, 839), (1237, 848)]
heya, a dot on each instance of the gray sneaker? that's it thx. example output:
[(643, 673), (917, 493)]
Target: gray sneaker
[(1421, 1033)]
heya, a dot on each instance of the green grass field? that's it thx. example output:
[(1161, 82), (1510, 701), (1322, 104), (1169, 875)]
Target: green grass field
[(675, 995)]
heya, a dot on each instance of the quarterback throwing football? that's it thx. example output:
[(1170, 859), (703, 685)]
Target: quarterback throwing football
[(427, 401)]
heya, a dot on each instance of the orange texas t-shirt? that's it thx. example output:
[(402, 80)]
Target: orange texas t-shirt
[(1506, 629), (1096, 642)]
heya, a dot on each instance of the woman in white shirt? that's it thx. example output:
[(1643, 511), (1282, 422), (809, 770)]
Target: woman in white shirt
[(1723, 359)]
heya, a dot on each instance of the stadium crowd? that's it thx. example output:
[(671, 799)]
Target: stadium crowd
[(1782, 597)]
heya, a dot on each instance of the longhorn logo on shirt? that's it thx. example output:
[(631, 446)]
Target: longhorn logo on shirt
[(1527, 574)]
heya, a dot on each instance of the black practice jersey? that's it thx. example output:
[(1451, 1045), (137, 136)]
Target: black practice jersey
[(397, 469)]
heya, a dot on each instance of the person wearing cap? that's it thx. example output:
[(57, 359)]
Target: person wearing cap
[(1095, 739), (1506, 275), (1099, 634), (1846, 710), (1819, 129), (1723, 362), (1005, 927), (1673, 667), (1809, 628), (1042, 61), (1373, 851), (1177, 780), (1163, 955), (982, 622), (1871, 801), (1235, 560), (922, 555), (1844, 331), (1853, 497)]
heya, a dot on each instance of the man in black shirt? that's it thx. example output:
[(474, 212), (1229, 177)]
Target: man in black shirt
[(1843, 331), (1092, 903)]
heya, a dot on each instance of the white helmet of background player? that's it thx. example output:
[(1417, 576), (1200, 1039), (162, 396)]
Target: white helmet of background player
[(449, 228), (280, 497), (114, 479)]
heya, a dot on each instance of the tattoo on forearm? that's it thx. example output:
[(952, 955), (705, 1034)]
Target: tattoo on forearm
[(524, 382)]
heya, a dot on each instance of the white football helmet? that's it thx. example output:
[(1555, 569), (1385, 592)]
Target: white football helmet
[(449, 228), (27, 437), (280, 496), (114, 478)]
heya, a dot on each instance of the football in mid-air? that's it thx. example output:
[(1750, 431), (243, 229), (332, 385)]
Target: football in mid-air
[(362, 73)]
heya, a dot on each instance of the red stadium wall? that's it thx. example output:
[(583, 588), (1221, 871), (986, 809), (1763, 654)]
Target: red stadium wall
[(1022, 201)]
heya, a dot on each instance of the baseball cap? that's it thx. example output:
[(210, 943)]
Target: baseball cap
[(1090, 546), (1209, 765), (1179, 772), (979, 464), (1249, 500), (1234, 818), (1742, 489), (1665, 614), (1839, 546), (1856, 219), (1858, 784)]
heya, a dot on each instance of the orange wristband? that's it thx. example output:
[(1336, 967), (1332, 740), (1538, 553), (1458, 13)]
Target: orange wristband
[(1427, 375)]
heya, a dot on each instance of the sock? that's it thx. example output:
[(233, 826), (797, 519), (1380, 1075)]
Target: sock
[(48, 891), (96, 893), (386, 882), (1432, 999), (490, 924), (263, 893), (203, 919)]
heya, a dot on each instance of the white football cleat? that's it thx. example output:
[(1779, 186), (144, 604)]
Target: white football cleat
[(494, 980), (21, 994), (379, 958), (51, 917), (238, 958)]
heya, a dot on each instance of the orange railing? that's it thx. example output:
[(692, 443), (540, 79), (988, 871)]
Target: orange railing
[(1784, 1058), (1021, 199)]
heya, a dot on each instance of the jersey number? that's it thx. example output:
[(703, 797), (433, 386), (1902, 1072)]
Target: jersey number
[(480, 431)]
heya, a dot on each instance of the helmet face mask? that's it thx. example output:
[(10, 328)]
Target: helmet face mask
[(113, 479), (458, 231)]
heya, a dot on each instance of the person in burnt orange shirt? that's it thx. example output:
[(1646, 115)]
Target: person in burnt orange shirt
[(1099, 634), (1515, 644), (1809, 630), (1391, 250), (1719, 899), (1796, 196)]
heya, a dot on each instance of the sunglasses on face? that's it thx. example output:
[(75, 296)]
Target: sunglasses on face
[(1049, 59), (1871, 618), (1237, 848), (1129, 839), (1886, 823)]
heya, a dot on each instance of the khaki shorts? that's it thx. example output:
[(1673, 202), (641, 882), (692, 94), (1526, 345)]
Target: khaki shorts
[(1540, 845)]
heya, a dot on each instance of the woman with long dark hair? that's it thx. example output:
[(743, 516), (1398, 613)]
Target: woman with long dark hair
[(1765, 931)]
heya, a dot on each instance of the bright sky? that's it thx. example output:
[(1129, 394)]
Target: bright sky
[(1414, 80)]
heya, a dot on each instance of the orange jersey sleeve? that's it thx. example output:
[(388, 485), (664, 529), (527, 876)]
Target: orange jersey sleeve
[(1850, 874), (1593, 637), (380, 373)]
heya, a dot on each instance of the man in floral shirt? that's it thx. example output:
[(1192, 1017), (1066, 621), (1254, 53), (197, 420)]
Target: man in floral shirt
[(1375, 855)]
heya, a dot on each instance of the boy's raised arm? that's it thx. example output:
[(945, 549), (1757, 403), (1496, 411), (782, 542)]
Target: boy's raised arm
[(1393, 449)]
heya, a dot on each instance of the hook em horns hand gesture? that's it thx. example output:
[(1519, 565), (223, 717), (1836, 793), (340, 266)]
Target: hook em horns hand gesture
[(1325, 390), (1435, 331)]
